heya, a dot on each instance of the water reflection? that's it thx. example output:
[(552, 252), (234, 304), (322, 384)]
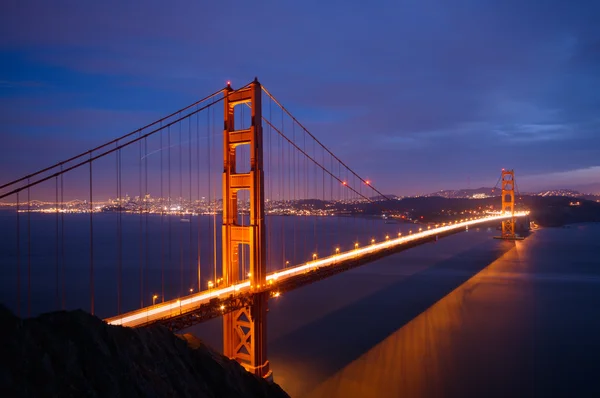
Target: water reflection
[(453, 347)]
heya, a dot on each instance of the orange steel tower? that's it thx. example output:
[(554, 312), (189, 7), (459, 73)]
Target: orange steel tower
[(508, 203), (244, 330)]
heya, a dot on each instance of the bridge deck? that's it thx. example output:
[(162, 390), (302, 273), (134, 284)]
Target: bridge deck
[(180, 313)]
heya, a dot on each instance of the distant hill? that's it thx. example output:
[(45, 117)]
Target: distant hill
[(485, 192)]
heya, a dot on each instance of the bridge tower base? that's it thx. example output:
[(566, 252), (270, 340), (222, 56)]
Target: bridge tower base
[(245, 330)]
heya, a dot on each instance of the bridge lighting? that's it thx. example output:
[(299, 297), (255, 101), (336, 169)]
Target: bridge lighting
[(222, 307), (368, 182), (344, 183), (154, 298), (337, 250), (210, 284), (314, 256), (372, 240), (276, 294), (287, 263), (249, 274), (387, 237), (429, 227), (191, 290), (356, 245), (399, 234), (229, 82), (410, 232), (420, 229)]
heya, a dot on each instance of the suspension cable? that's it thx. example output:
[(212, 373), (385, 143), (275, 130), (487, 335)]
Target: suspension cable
[(319, 142), (110, 142)]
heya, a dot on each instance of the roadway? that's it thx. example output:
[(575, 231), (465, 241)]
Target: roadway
[(185, 305)]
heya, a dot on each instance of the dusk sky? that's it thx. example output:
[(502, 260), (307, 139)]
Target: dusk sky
[(416, 96)]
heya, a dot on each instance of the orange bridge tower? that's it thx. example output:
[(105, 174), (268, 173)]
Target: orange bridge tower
[(244, 330), (508, 205)]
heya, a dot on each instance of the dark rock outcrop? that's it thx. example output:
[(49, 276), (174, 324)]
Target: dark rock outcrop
[(74, 354)]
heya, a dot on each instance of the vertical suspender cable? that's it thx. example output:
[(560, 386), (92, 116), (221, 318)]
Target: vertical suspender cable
[(91, 240), (169, 199), (28, 250), (209, 174), (162, 217), (62, 239), (189, 206), (198, 196), (214, 210), (270, 180), (146, 212), (18, 259), (179, 228), (56, 242), (295, 173), (119, 229), (139, 205)]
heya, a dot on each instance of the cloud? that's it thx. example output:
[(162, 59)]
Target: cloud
[(458, 88), (563, 179)]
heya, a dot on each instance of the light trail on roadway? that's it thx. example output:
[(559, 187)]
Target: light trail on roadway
[(177, 307)]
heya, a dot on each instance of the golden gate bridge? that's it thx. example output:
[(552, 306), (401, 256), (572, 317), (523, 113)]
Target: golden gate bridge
[(226, 263)]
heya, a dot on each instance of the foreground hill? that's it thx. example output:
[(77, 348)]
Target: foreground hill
[(74, 354)]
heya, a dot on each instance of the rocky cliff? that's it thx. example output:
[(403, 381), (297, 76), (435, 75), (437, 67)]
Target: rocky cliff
[(74, 354)]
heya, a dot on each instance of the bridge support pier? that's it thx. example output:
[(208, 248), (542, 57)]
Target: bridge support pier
[(245, 330)]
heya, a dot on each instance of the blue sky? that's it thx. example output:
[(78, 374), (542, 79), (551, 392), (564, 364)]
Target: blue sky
[(415, 95)]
